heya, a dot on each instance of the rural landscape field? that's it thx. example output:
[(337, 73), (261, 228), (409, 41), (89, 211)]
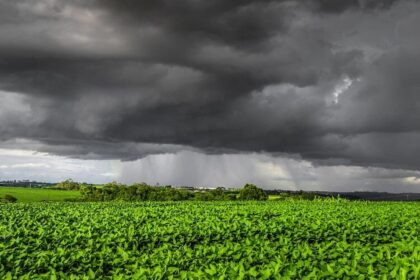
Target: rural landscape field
[(326, 238), (221, 139), (38, 194)]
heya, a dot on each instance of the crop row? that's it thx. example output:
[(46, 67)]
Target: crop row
[(221, 240)]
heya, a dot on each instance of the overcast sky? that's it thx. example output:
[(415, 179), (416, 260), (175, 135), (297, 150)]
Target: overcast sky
[(316, 94)]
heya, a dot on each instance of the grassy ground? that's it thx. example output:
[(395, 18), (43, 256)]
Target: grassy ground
[(35, 194)]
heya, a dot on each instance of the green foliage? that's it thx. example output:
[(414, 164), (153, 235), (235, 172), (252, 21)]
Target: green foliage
[(68, 184), (251, 192), (320, 239), (9, 198), (136, 192), (144, 192)]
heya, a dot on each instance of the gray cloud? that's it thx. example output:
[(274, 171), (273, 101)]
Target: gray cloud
[(330, 81), (189, 168)]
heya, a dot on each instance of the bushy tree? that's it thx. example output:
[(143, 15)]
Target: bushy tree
[(68, 184), (9, 198), (203, 196), (218, 194), (252, 192)]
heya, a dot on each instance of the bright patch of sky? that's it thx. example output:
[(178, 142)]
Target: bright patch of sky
[(23, 164), (341, 88)]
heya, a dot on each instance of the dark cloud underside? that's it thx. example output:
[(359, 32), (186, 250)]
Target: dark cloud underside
[(332, 81)]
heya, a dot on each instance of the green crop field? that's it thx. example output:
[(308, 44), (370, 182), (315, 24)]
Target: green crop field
[(327, 239), (38, 194)]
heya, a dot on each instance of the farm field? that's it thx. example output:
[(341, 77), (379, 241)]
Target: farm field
[(38, 194), (321, 239)]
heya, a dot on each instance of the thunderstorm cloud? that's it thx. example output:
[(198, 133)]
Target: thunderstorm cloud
[(329, 84)]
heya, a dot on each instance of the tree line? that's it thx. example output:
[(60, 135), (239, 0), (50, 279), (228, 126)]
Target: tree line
[(144, 192)]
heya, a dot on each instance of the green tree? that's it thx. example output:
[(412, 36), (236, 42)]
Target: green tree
[(252, 192), (9, 198), (218, 194), (68, 184)]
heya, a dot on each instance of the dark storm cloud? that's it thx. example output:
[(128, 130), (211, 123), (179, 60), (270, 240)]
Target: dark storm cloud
[(333, 81), (336, 6)]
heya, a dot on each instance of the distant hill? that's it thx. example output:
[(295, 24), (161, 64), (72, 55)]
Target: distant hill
[(372, 196)]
